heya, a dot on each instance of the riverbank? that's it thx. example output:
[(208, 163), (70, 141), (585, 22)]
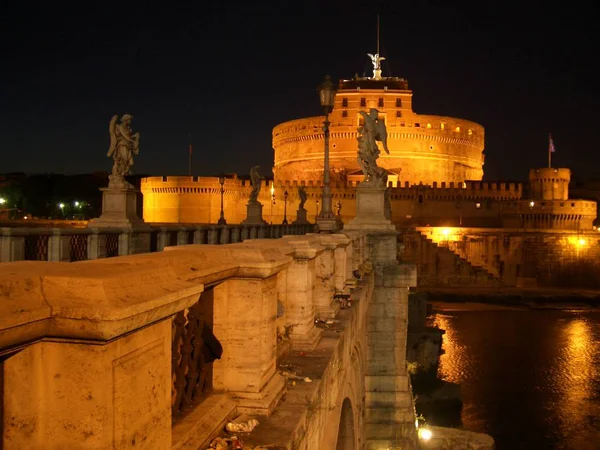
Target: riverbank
[(513, 298)]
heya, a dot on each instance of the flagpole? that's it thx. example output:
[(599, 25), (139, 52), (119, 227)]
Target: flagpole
[(549, 151), (190, 157)]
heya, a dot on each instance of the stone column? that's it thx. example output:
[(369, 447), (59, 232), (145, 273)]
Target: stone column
[(245, 311), (300, 308), (12, 248), (389, 402)]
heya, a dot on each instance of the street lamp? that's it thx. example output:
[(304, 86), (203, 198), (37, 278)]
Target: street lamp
[(326, 219), (62, 209), (222, 220), (272, 200), (2, 201), (285, 196)]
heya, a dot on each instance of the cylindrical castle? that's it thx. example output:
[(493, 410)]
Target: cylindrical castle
[(423, 148)]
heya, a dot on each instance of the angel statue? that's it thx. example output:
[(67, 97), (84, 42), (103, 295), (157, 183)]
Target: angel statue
[(302, 196), (372, 131), (376, 61), (123, 145), (255, 179)]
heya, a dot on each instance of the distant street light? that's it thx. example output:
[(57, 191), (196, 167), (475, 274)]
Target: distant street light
[(76, 204), (2, 201), (285, 197), (61, 205), (222, 220)]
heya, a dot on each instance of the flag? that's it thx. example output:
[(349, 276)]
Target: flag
[(551, 147)]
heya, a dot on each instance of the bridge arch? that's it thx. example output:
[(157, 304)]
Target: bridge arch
[(346, 438)]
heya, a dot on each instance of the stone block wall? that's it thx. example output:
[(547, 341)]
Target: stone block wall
[(517, 257)]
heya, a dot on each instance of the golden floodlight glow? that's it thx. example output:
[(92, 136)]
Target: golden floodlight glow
[(446, 231), (581, 242), (532, 204), (272, 189), (425, 434)]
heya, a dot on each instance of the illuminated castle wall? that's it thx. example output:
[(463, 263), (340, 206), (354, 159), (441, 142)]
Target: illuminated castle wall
[(435, 169), (423, 148)]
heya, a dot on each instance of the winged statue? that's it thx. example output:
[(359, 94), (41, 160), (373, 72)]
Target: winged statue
[(123, 145), (373, 131), (376, 60)]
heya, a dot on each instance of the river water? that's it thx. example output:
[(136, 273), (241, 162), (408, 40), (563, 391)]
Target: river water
[(529, 378)]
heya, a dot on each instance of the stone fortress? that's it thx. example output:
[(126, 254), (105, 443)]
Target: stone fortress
[(435, 170)]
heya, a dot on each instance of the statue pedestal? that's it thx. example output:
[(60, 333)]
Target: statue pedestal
[(301, 217), (119, 210), (254, 214), (370, 210)]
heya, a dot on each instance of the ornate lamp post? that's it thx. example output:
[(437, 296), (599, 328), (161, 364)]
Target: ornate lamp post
[(222, 220), (272, 200), (285, 196), (326, 219)]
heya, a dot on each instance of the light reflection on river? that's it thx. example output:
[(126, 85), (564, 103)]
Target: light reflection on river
[(530, 378)]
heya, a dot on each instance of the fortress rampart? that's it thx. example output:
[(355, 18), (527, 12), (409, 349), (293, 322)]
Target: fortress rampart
[(470, 203)]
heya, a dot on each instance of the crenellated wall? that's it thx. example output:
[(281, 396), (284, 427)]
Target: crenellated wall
[(469, 203)]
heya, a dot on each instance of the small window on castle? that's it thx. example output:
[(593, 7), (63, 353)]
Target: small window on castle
[(421, 198), (477, 205), (363, 102), (398, 103), (457, 129), (398, 113), (572, 205), (344, 113), (562, 204), (344, 102), (417, 125), (402, 124), (443, 126), (428, 125), (380, 102), (470, 132)]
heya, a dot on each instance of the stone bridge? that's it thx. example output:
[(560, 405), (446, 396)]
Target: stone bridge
[(125, 352)]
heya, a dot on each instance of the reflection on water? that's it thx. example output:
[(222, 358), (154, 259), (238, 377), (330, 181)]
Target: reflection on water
[(529, 378)]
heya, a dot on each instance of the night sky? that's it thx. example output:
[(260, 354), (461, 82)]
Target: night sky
[(228, 74)]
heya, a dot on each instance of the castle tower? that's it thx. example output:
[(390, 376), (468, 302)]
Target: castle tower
[(423, 148), (550, 183)]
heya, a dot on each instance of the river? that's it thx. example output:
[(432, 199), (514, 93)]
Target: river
[(529, 378)]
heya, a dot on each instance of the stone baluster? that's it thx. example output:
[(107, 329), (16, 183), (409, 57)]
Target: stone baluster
[(182, 237), (12, 248), (58, 246), (225, 235)]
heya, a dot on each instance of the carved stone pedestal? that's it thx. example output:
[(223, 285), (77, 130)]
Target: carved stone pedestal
[(370, 210), (254, 214), (301, 217), (119, 209)]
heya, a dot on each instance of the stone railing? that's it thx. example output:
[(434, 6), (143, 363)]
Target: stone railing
[(118, 352), (33, 243)]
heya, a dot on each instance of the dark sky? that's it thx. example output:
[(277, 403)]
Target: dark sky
[(228, 74)]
